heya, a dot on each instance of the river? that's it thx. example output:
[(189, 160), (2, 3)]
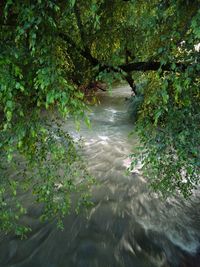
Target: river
[(128, 225)]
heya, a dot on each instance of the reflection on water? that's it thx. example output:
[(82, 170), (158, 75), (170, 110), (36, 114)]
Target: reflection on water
[(127, 226)]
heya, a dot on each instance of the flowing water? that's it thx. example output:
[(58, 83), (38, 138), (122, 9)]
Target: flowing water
[(127, 226)]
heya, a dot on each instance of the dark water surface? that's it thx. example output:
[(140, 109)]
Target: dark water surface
[(127, 226)]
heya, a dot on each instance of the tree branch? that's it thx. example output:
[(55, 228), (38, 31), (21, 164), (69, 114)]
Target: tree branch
[(83, 52), (86, 51), (151, 65), (136, 66), (79, 23)]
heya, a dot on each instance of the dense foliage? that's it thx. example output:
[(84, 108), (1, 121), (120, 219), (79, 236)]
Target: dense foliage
[(169, 117), (49, 48)]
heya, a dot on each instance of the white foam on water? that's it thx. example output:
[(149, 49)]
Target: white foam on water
[(189, 244), (103, 137)]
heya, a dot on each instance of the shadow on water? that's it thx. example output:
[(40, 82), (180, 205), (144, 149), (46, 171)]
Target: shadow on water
[(127, 226)]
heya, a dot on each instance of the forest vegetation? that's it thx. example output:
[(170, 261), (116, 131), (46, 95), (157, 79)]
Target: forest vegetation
[(49, 49)]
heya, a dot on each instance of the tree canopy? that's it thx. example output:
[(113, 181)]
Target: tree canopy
[(49, 48)]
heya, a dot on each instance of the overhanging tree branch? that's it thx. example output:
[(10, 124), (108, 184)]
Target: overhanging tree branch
[(83, 52), (79, 23), (127, 68), (135, 66), (151, 65)]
